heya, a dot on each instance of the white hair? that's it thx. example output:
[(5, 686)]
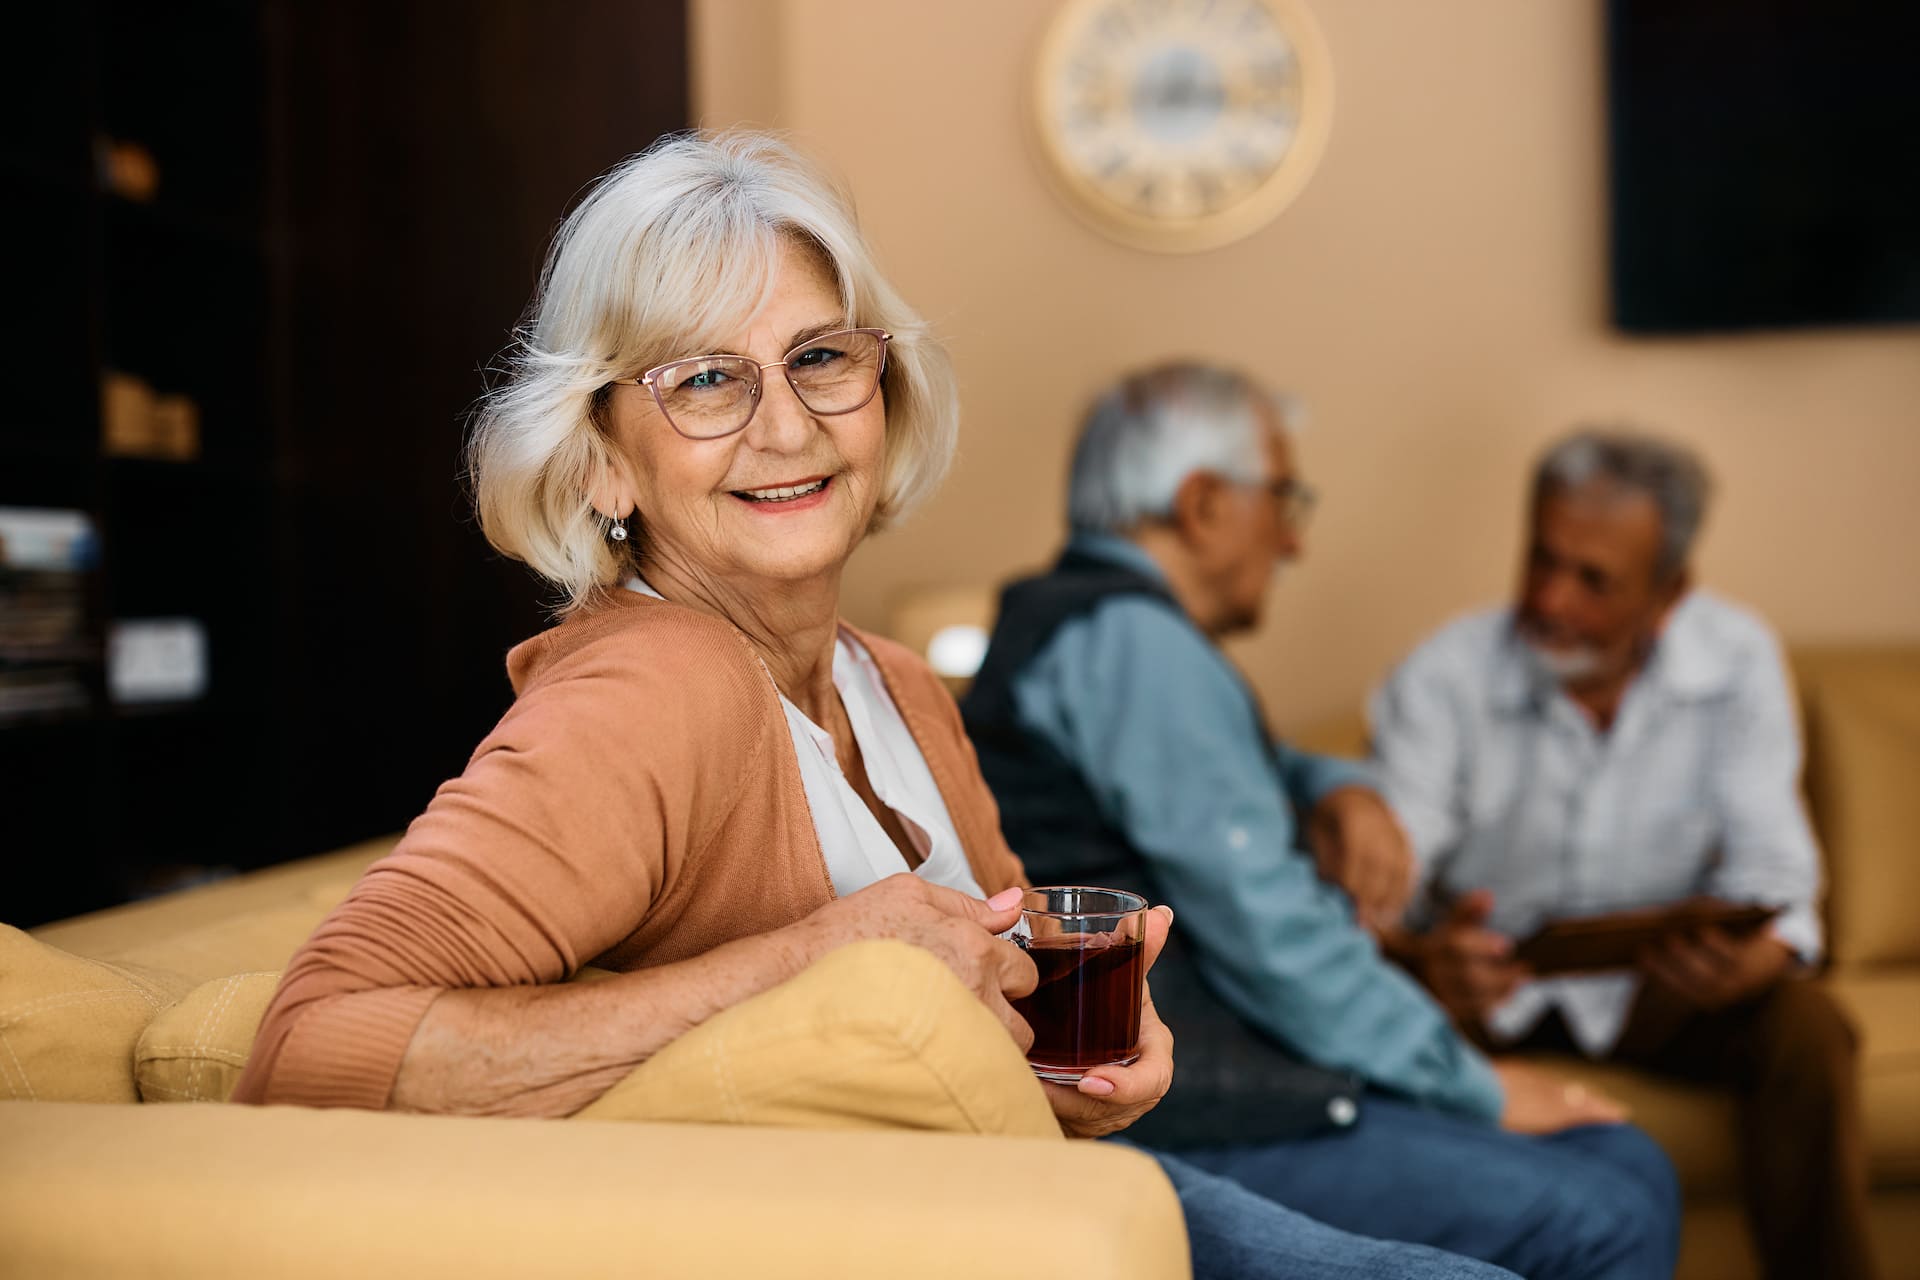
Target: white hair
[(669, 255), (1153, 429)]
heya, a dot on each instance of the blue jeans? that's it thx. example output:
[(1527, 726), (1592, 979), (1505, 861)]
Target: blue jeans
[(1596, 1203), (1236, 1235)]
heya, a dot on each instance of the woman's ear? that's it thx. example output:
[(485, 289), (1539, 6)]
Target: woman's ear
[(610, 488)]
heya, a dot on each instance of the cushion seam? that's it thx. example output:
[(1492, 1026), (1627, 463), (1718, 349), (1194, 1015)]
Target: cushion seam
[(13, 1017)]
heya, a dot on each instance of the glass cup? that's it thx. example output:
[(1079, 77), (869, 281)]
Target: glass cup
[(1090, 948)]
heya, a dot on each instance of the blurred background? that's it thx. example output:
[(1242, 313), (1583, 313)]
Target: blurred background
[(265, 251)]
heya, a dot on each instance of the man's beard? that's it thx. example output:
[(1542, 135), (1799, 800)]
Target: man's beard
[(1567, 666)]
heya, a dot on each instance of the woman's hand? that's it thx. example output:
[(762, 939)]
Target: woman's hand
[(958, 928), (1108, 1099)]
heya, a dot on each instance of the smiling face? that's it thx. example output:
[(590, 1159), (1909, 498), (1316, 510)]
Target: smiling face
[(783, 502)]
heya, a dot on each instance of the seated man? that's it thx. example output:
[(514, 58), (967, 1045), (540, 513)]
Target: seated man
[(1125, 750), (1616, 740)]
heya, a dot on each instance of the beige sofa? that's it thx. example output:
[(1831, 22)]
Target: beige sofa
[(804, 1161), (108, 1188), (1861, 711)]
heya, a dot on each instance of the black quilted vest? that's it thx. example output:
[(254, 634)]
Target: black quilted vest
[(1232, 1084)]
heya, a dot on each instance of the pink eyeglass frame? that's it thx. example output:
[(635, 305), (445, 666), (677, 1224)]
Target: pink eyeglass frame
[(647, 380)]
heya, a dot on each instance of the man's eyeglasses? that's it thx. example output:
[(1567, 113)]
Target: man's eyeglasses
[(1295, 499), (706, 397)]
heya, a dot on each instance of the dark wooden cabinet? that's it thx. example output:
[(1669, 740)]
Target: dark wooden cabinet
[(333, 217)]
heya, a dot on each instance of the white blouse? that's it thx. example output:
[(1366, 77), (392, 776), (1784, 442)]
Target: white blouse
[(857, 848)]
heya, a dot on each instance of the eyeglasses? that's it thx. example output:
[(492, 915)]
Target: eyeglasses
[(706, 397), (1295, 498)]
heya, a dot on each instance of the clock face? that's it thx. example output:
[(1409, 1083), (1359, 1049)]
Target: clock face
[(1181, 124)]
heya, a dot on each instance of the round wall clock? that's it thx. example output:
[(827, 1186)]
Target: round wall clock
[(1180, 125)]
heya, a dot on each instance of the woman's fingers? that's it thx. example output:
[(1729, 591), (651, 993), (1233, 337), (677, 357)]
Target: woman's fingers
[(996, 914), (1108, 1099), (1146, 1081), (1148, 1077), (1159, 922), (1017, 1026)]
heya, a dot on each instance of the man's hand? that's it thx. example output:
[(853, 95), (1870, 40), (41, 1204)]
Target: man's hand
[(1359, 845), (1469, 968), (1712, 969), (1541, 1101), (1108, 1099)]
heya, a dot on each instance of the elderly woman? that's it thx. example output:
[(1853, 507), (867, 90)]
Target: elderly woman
[(707, 781)]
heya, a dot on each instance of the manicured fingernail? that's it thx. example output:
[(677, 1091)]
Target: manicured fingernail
[(1006, 898), (1096, 1086), (1169, 910)]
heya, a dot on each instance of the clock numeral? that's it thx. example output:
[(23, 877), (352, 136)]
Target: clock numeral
[(1251, 164), (1274, 70)]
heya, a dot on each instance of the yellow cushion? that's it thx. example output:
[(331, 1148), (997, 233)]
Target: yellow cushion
[(875, 1035), (1696, 1126), (1886, 1009), (194, 1049), (68, 1024), (1864, 737), (1693, 1125)]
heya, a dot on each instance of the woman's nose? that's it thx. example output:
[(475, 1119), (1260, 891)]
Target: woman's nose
[(783, 423)]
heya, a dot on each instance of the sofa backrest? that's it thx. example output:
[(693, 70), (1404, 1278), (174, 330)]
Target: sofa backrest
[(158, 999), (1861, 711)]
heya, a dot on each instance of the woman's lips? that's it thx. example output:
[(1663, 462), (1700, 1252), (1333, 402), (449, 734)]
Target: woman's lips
[(783, 499)]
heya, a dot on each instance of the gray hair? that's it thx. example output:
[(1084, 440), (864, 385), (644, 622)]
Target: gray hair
[(1153, 429), (1670, 474)]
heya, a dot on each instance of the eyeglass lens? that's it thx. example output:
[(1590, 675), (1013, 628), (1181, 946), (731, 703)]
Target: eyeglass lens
[(715, 395)]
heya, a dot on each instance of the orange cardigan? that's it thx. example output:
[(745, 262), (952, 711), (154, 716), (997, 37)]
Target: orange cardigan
[(638, 804)]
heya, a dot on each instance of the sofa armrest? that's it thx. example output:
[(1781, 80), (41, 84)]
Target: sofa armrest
[(211, 1190)]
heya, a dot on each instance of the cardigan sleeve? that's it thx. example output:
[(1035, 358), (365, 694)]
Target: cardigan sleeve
[(571, 818)]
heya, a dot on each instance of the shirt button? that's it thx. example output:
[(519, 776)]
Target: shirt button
[(1342, 1111), (1237, 838)]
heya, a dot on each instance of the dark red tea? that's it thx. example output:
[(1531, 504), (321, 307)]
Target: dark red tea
[(1086, 1010)]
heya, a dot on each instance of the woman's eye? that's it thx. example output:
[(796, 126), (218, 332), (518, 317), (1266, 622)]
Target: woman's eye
[(816, 356), (707, 378)]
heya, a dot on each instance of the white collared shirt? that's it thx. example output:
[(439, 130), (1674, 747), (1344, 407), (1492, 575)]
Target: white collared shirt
[(1503, 783), (857, 848)]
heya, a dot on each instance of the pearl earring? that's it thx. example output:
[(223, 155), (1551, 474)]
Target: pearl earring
[(619, 531)]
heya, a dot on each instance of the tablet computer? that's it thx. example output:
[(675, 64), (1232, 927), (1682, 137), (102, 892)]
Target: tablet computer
[(1614, 941)]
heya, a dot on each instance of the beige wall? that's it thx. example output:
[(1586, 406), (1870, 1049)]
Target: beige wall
[(1436, 294)]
